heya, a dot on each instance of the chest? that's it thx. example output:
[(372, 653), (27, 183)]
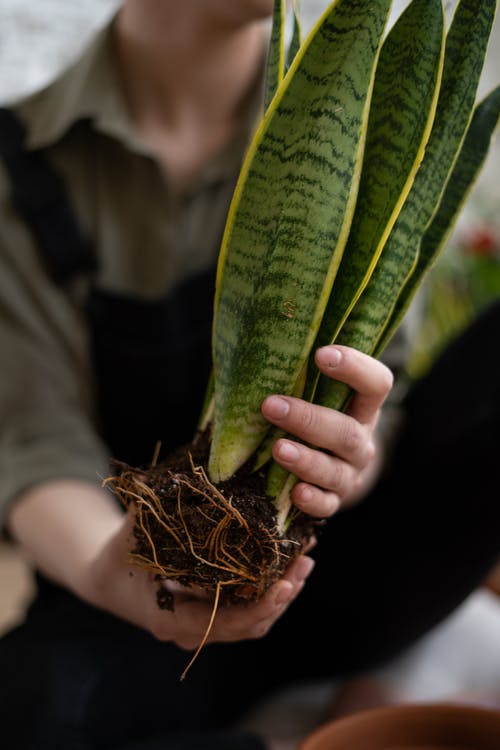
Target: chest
[(147, 238)]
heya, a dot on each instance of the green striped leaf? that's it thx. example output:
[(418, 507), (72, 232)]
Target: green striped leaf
[(288, 224), (466, 47), (276, 57), (462, 179), (296, 40), (401, 116)]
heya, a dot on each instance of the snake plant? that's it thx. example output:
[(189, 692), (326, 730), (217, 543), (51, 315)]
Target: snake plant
[(369, 143)]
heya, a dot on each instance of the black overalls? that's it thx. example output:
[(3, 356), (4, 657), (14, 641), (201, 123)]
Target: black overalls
[(388, 570)]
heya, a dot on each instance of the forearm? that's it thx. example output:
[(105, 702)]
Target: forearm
[(62, 526)]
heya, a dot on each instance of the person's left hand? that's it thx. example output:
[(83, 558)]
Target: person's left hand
[(343, 458)]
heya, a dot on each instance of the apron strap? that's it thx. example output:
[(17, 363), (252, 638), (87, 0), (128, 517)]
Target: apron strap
[(39, 194)]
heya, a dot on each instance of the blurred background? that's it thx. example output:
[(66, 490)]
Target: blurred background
[(36, 41)]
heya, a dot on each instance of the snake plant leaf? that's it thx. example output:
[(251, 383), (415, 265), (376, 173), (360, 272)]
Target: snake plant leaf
[(401, 116), (468, 166), (296, 40), (274, 434), (276, 57), (402, 111), (288, 224), (466, 46)]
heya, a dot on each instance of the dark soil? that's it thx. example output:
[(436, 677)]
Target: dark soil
[(223, 538)]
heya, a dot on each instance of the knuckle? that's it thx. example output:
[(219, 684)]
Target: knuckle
[(336, 476), (353, 435), (367, 455), (321, 471), (342, 479), (307, 417), (260, 630), (386, 379), (371, 451), (331, 504)]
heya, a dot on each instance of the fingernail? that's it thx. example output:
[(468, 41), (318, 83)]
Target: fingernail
[(288, 452), (276, 407), (330, 356)]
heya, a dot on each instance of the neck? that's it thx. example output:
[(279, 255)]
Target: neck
[(180, 65)]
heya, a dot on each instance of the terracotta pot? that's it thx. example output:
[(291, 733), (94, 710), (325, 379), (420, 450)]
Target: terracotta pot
[(411, 727)]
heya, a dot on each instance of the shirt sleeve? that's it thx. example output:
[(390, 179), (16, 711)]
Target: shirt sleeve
[(47, 425)]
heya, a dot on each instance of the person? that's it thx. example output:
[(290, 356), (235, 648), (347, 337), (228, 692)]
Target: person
[(114, 189)]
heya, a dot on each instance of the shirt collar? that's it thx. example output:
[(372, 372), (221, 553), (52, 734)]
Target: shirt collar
[(89, 89)]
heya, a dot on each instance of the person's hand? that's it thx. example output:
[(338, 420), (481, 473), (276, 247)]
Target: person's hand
[(130, 593), (343, 457)]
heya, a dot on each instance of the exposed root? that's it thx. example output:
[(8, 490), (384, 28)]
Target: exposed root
[(186, 529), (222, 538), (207, 632)]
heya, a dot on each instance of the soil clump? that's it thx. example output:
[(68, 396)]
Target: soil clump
[(222, 537)]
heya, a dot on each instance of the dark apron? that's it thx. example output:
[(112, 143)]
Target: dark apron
[(152, 363), (151, 359)]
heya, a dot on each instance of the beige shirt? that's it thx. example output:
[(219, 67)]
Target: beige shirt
[(146, 238)]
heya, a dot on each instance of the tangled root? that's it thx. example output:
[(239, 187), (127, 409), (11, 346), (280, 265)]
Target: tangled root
[(222, 538)]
